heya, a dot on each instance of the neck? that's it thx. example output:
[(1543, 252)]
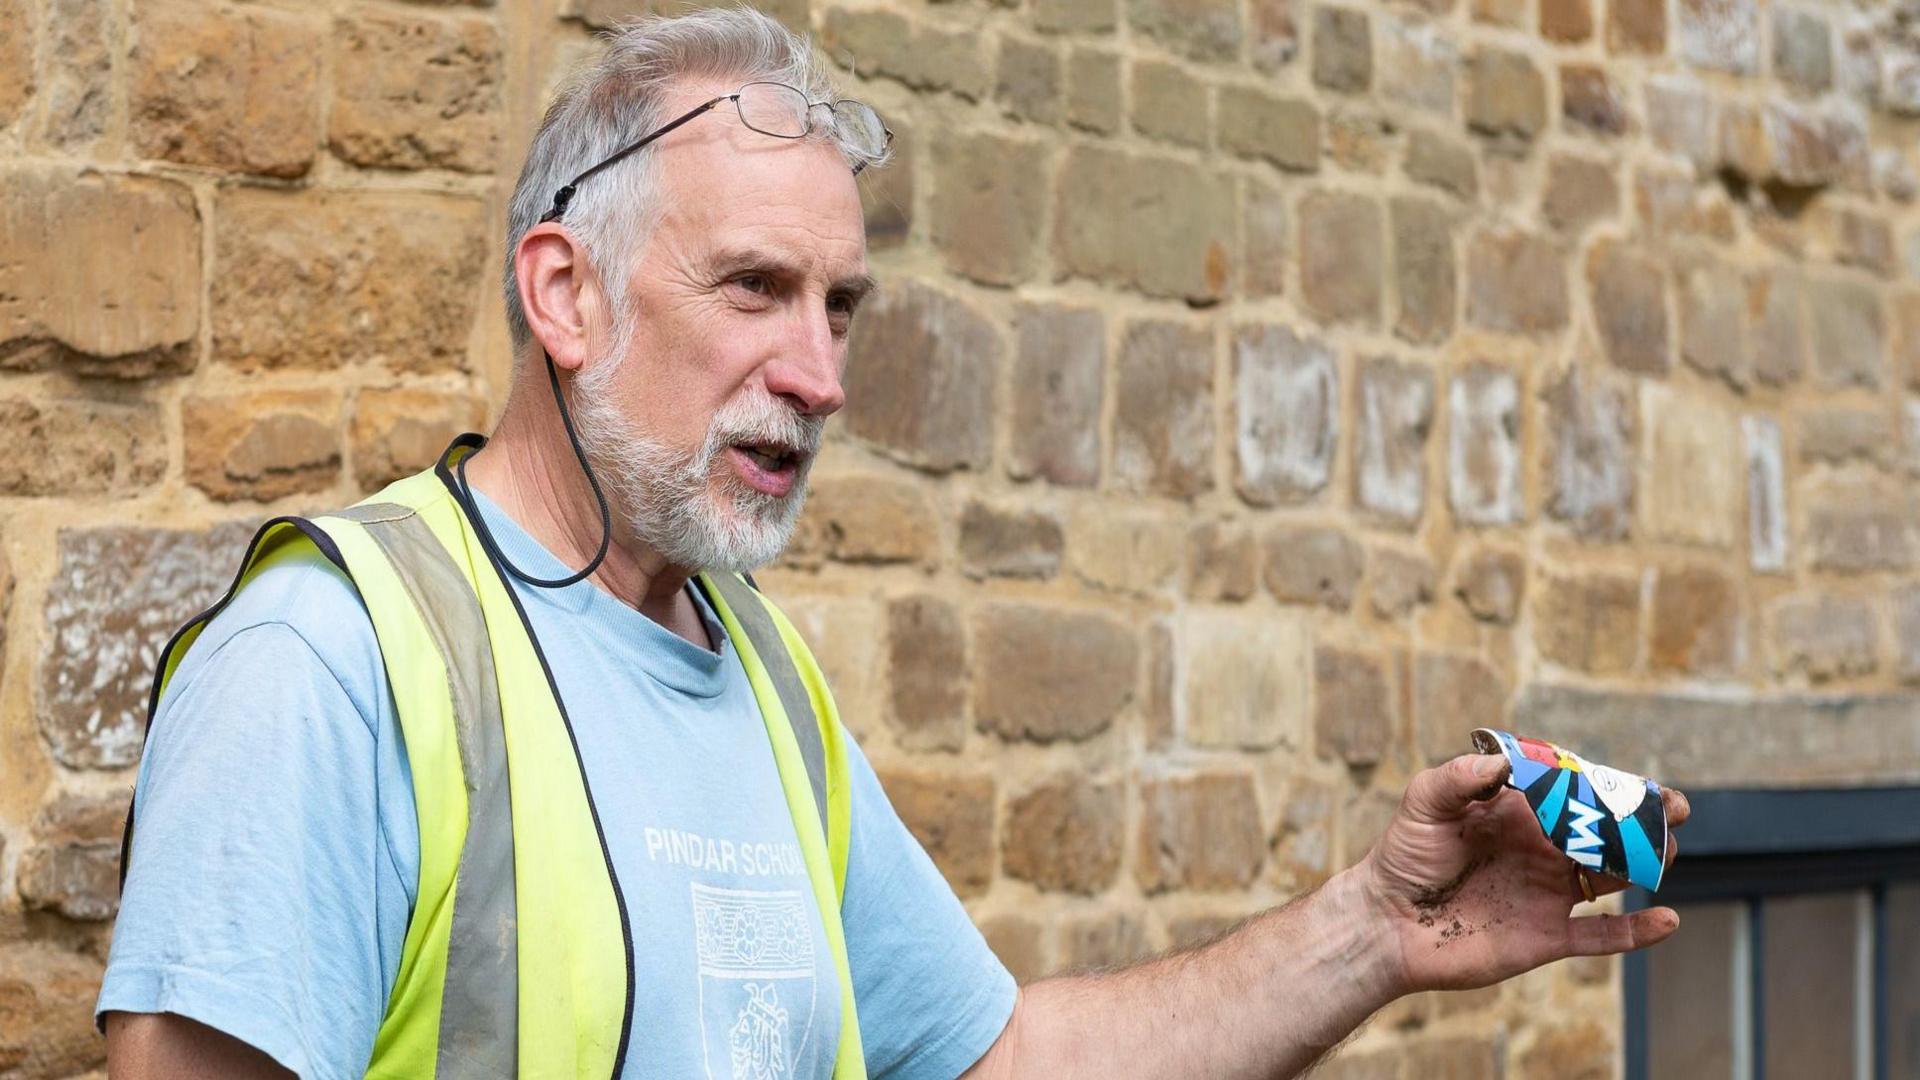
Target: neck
[(529, 470)]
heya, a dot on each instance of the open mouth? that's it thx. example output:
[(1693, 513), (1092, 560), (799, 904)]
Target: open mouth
[(769, 468), (771, 458)]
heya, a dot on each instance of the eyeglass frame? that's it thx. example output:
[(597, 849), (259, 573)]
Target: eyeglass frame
[(563, 197)]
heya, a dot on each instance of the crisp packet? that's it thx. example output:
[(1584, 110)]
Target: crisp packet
[(1602, 818)]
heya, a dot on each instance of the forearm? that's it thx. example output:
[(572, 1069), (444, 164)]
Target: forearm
[(1265, 1001)]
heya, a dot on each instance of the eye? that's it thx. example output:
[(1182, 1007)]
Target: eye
[(840, 308), (755, 282)]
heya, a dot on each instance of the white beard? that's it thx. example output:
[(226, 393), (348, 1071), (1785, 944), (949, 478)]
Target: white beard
[(693, 509)]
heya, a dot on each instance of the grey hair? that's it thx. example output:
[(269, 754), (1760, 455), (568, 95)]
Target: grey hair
[(619, 98)]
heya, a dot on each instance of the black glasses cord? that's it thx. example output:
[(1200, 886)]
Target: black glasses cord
[(606, 514)]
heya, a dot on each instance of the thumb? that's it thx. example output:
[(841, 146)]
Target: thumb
[(1445, 791)]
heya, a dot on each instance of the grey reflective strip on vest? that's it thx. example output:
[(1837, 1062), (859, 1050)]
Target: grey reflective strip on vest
[(772, 650), (479, 1008)]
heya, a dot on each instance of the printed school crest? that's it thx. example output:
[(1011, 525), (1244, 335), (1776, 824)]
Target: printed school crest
[(755, 953), (1602, 818)]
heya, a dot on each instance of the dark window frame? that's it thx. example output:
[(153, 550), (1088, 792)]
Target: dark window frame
[(1750, 844)]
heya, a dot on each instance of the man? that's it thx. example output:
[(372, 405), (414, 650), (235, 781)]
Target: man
[(337, 868)]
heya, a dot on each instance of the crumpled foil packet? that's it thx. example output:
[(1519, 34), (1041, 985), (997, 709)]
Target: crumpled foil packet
[(1604, 819)]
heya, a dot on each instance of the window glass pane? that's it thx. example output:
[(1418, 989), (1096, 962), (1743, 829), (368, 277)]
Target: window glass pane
[(1690, 995), (1903, 982), (1809, 950)]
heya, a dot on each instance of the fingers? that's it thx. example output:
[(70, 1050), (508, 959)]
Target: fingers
[(1678, 809), (1445, 790), (1604, 935)]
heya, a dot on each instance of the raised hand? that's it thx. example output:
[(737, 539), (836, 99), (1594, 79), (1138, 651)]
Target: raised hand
[(1474, 892)]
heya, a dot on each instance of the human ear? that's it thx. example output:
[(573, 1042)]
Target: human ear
[(559, 293)]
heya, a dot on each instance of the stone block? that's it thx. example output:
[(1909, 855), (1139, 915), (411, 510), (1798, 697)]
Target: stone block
[(1223, 562), (920, 375), (416, 91), (230, 89), (865, 519), (1692, 468), (1589, 99), (1680, 119), (1580, 191), (1864, 241), (1766, 494), (1254, 123), (1030, 82), (926, 673), (1016, 941), (1353, 714), (1401, 581), (1273, 34), (1163, 417), (1093, 89), (1390, 451), (1342, 50), (1802, 49), (1905, 311), (1264, 233), (1838, 436), (98, 273), (1178, 242), (1006, 542), (1075, 16), (262, 445), (16, 62), (924, 57), (1169, 103), (1104, 942), (1342, 257), (1483, 446), (987, 207), (1699, 622), (886, 194), (1417, 65), (1593, 434), (1714, 741), (1345, 1063), (1778, 327), (118, 595), (67, 447), (76, 94), (398, 431), (1629, 295), (323, 279), (1507, 96), (1808, 149), (73, 869), (1423, 265), (1669, 204), (1246, 677), (1491, 583), (1130, 551), (1861, 529), (1286, 414), (1457, 1057), (1196, 29), (1047, 674), (1906, 634), (1848, 332), (1066, 835), (1588, 622), (1303, 841), (1723, 35), (46, 997), (1199, 832), (1584, 1049), (848, 637), (1313, 564), (1516, 282), (1824, 637), (1714, 305), (1637, 27), (1566, 22), (952, 818), (1452, 695), (1059, 369), (1442, 162)]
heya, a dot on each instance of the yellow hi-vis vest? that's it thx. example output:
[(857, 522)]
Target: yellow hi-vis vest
[(519, 952)]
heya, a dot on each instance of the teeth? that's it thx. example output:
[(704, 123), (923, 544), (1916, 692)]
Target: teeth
[(769, 461)]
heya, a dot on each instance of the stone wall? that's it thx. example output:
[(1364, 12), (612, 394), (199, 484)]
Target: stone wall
[(1263, 393)]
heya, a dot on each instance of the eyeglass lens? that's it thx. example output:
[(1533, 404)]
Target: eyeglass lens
[(783, 111)]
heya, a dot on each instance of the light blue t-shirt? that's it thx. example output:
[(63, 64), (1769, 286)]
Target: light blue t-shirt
[(277, 853)]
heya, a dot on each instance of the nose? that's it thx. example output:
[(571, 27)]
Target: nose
[(806, 374)]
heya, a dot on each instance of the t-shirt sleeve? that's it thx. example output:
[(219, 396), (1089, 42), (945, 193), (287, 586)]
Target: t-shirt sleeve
[(265, 896), (932, 996)]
